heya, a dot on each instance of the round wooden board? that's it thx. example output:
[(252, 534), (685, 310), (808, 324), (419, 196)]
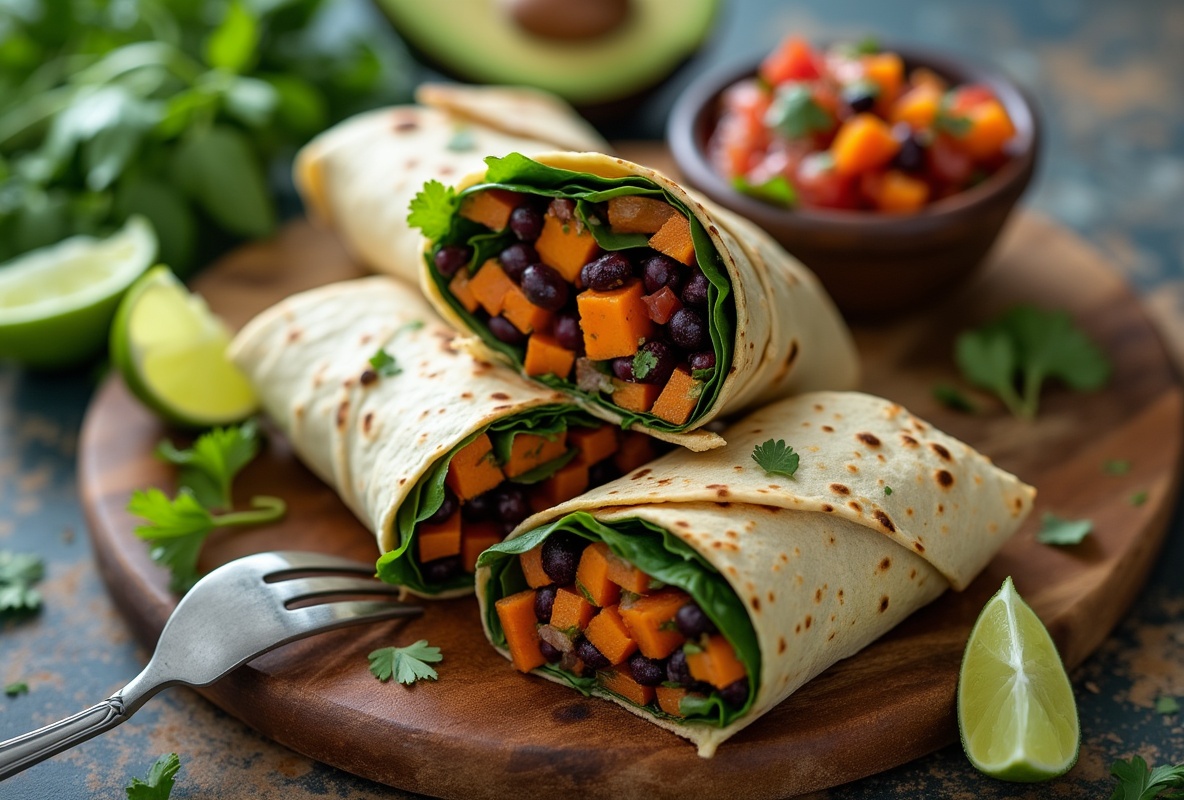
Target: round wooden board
[(483, 730)]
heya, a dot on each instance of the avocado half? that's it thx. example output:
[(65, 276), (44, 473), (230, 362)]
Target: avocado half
[(477, 40)]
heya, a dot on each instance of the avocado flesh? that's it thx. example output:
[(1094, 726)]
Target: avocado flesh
[(477, 40)]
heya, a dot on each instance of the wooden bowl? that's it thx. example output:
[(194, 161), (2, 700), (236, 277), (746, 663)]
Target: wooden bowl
[(874, 264)]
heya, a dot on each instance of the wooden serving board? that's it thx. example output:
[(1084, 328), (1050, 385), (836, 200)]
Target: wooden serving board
[(484, 730)]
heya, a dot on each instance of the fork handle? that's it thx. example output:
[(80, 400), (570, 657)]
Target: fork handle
[(34, 747)]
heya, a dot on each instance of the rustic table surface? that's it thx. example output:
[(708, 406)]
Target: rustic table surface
[(1108, 77)]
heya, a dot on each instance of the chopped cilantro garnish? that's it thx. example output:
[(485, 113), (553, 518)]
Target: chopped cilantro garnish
[(643, 364), (385, 364), (776, 458), (1137, 781), (159, 784), (405, 664), (795, 113), (1055, 530), (432, 209), (16, 689), (19, 573), (1116, 466)]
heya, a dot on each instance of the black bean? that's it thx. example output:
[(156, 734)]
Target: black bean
[(561, 556), (516, 258), (695, 292), (587, 652), (687, 329), (544, 287), (512, 505), (450, 258), (602, 472), (623, 369), (911, 155), (447, 509), (664, 362), (735, 694), (481, 508), (505, 331), (703, 360), (441, 569), (567, 332), (552, 654), (692, 622), (610, 271), (677, 670), (544, 599), (660, 270), (860, 96), (647, 671), (562, 209), (526, 221)]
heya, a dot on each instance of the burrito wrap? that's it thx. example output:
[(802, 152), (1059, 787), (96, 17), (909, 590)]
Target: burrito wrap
[(825, 562)]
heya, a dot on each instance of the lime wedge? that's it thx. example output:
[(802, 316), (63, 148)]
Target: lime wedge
[(1016, 711), (57, 302), (171, 350)]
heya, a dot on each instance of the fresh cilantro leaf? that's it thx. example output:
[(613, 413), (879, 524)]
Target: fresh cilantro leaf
[(178, 527), (16, 689), (385, 364), (887, 490), (1138, 498), (1136, 781), (691, 648), (776, 190), (795, 113), (954, 124), (462, 141), (1167, 705), (1116, 466), (209, 467), (1054, 530), (643, 364), (159, 784), (775, 458), (19, 573), (432, 209), (405, 664), (1023, 348), (953, 398), (703, 374)]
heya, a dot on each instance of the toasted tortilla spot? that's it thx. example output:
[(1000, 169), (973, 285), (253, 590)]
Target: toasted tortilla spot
[(342, 413), (908, 441), (367, 421), (941, 451), (641, 473), (840, 597), (944, 478), (883, 604), (884, 520), (827, 507), (828, 429), (809, 621), (755, 602), (885, 563), (839, 488), (781, 644), (368, 377), (871, 440), (855, 506)]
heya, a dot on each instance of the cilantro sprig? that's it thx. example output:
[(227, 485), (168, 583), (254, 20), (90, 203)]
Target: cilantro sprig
[(405, 664), (1056, 530), (208, 468), (1137, 781), (776, 458), (795, 113), (16, 689), (385, 364), (644, 363), (1014, 355), (19, 573), (432, 209), (159, 783)]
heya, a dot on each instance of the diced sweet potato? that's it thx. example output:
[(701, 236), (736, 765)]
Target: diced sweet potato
[(674, 239), (918, 107), (571, 610), (526, 316), (619, 681), (614, 322), (516, 614), (716, 663), (636, 449), (608, 634), (532, 568), (636, 214), (990, 129), (564, 248), (637, 397), (900, 193), (476, 538), (438, 541), (670, 699), (592, 575), (473, 470), (594, 444), (678, 398), (563, 485), (662, 304), (491, 207), (649, 620), (490, 286), (627, 576), (529, 450), (886, 70), (462, 289), (544, 356), (864, 142)]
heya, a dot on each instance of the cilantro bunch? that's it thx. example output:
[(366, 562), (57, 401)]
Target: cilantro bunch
[(173, 109)]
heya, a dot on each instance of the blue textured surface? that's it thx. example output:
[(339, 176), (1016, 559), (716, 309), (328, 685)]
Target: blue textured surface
[(1110, 79)]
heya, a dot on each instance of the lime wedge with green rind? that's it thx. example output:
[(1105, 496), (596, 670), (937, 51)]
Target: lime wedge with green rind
[(1016, 711), (171, 351), (57, 302)]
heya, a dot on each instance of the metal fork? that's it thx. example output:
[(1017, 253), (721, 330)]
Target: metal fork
[(238, 611)]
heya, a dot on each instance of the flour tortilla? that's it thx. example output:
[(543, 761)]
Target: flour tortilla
[(789, 337), (371, 443), (359, 176), (826, 561)]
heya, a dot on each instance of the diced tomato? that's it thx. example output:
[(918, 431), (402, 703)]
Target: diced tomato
[(793, 60), (967, 97), (662, 304), (819, 185), (947, 162), (740, 137)]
